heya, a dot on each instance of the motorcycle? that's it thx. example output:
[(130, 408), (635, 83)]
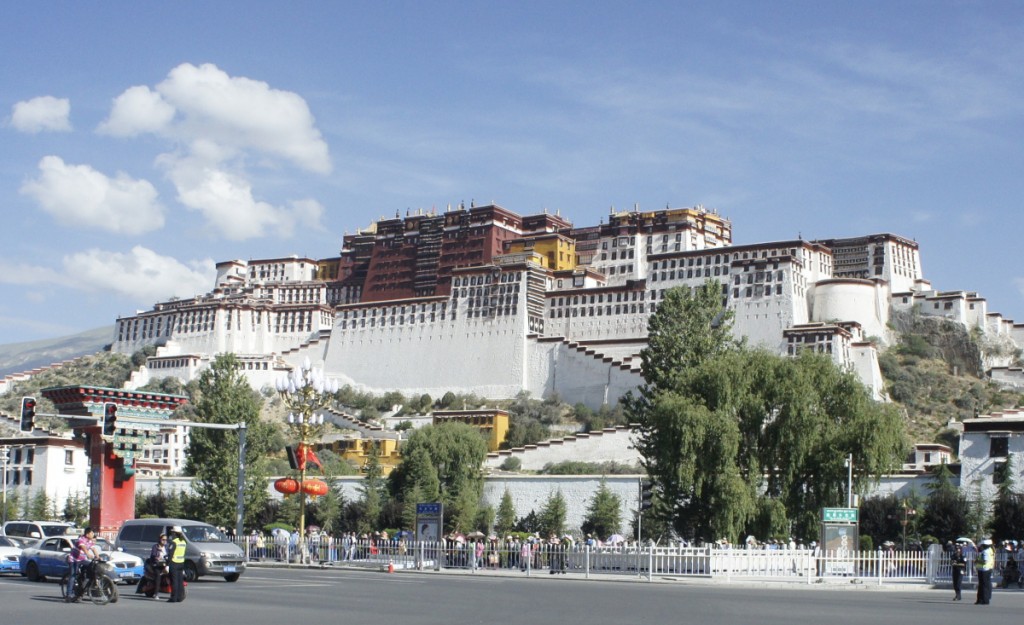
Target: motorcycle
[(155, 579), (95, 581), (1011, 574)]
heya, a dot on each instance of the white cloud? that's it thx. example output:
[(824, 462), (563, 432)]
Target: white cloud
[(219, 124), (79, 195), (42, 113), (227, 202), (138, 110), (141, 275), (235, 114)]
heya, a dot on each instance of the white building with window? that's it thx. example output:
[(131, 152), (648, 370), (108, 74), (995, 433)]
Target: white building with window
[(52, 463), (987, 444)]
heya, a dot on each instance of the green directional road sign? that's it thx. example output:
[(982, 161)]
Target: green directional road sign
[(839, 515)]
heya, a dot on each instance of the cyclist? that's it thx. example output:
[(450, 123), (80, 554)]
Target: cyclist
[(84, 551)]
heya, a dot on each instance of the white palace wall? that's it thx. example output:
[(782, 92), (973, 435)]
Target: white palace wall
[(485, 356), (557, 366)]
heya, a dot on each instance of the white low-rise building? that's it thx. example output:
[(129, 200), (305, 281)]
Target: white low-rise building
[(49, 463)]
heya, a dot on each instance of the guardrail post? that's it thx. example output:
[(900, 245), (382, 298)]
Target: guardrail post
[(586, 561), (650, 559)]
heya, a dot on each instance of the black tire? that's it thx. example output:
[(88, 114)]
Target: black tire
[(232, 577), (102, 591), (191, 572), (64, 586), (32, 572), (149, 590)]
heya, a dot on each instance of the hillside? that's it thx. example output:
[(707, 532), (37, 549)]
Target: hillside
[(935, 374), (18, 357), (100, 369)]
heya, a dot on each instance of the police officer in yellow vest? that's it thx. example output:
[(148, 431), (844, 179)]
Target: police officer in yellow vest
[(176, 560), (984, 564)]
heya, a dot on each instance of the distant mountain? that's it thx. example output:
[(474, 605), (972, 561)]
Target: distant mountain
[(18, 357)]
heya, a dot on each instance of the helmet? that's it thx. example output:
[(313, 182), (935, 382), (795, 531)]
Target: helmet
[(176, 529), (985, 541)]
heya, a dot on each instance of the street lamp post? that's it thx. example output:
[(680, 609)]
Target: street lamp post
[(908, 512), (849, 481), (304, 392), (5, 452)]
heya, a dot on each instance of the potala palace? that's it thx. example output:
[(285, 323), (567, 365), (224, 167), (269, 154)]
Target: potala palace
[(483, 300)]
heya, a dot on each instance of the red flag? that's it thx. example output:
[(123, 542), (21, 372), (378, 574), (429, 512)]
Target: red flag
[(306, 454)]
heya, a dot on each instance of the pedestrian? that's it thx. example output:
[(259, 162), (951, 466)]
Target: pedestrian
[(84, 551), (958, 563), (261, 546), (176, 553), (984, 564)]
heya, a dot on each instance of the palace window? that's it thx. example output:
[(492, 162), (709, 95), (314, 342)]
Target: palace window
[(999, 447)]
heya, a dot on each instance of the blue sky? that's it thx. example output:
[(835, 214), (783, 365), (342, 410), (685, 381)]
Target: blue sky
[(143, 142)]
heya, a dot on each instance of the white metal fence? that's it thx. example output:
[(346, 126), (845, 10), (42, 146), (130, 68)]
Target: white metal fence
[(538, 557)]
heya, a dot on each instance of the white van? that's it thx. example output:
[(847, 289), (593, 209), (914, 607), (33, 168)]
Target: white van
[(208, 551), (25, 532)]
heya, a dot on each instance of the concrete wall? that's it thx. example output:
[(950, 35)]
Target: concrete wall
[(608, 445), (528, 492)]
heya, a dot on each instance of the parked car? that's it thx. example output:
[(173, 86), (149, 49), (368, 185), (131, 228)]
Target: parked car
[(9, 554), (49, 558), (25, 532), (208, 551)]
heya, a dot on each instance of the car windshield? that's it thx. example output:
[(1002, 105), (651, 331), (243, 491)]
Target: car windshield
[(104, 544), (203, 534), (6, 542), (55, 530)]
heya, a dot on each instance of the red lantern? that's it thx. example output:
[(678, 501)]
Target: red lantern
[(287, 485), (316, 488)]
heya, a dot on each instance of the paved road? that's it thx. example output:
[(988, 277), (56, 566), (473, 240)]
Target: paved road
[(300, 597)]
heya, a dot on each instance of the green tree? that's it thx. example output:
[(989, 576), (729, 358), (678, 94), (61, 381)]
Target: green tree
[(552, 516), (880, 518), (372, 491), (770, 519), (40, 507), (506, 517), (722, 425), (223, 396), (604, 514), (453, 453), (689, 327), (946, 510), (76, 508), (13, 500), (1008, 507)]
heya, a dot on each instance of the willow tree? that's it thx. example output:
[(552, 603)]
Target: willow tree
[(445, 461), (722, 427)]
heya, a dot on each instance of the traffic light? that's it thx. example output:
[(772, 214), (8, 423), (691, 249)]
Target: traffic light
[(28, 414), (646, 494), (109, 418)]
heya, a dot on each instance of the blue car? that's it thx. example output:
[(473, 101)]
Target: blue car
[(9, 556), (49, 558)]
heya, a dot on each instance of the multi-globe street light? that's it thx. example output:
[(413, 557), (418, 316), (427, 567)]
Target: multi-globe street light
[(305, 391)]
